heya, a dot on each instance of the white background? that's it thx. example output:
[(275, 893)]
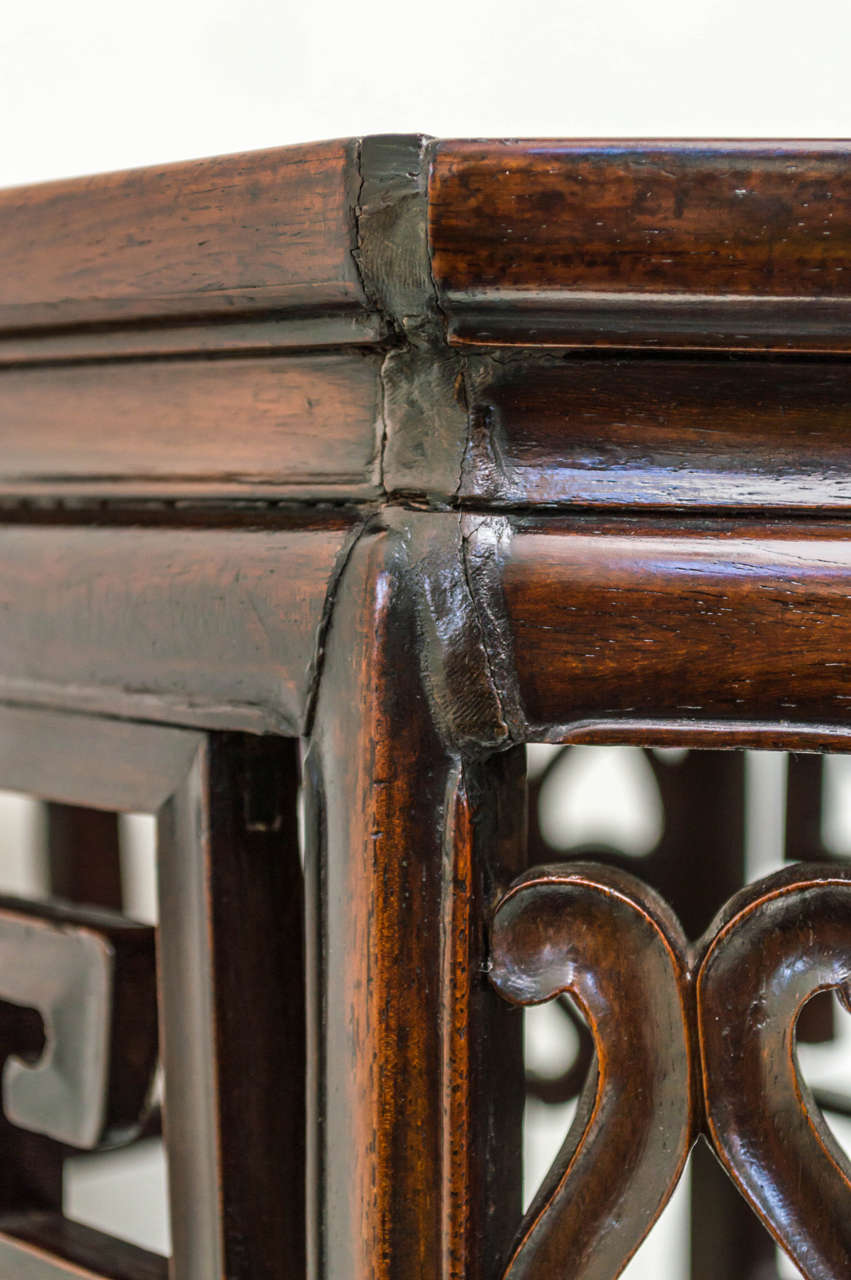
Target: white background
[(96, 85)]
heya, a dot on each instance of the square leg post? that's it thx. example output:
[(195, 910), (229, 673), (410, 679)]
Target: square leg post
[(415, 1085)]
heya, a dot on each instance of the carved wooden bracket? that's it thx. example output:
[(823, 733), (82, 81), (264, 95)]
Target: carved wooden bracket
[(771, 949), (689, 1041), (91, 975), (599, 934)]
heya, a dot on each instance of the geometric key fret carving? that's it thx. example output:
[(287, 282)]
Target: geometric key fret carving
[(91, 975)]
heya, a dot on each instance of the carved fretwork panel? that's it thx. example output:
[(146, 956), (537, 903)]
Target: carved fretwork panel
[(600, 935), (692, 1042), (772, 948), (91, 976), (697, 863), (78, 1054)]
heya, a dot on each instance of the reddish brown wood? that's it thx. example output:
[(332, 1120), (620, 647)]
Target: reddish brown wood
[(772, 947), (232, 1011), (268, 230), (619, 951), (217, 626), (804, 842), (653, 630), (665, 244), (608, 432), (698, 863), (143, 321), (213, 338), (410, 1120), (84, 855), (251, 427)]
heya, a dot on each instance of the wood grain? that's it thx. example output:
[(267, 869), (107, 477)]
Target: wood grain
[(650, 628), (771, 948), (697, 864), (606, 432), (232, 1012), (271, 427), (409, 1121), (260, 232), (218, 626), (195, 530), (155, 340), (600, 935), (665, 244)]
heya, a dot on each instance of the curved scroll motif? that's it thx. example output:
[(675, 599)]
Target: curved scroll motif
[(771, 948), (617, 949)]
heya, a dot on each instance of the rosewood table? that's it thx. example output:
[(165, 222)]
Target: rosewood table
[(331, 477)]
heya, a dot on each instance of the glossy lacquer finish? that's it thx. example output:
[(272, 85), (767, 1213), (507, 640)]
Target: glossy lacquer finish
[(660, 244), (703, 798), (269, 229), (419, 451), (602, 937), (723, 1013), (401, 865), (611, 432), (624, 625), (773, 947)]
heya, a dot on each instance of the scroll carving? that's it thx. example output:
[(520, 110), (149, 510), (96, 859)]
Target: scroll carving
[(769, 951), (600, 935), (664, 1016)]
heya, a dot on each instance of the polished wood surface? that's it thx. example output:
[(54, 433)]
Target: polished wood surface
[(616, 948), (271, 427), (660, 244), (419, 451), (264, 231), (393, 904), (773, 947), (726, 1010), (609, 432), (202, 625), (681, 624), (704, 810)]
